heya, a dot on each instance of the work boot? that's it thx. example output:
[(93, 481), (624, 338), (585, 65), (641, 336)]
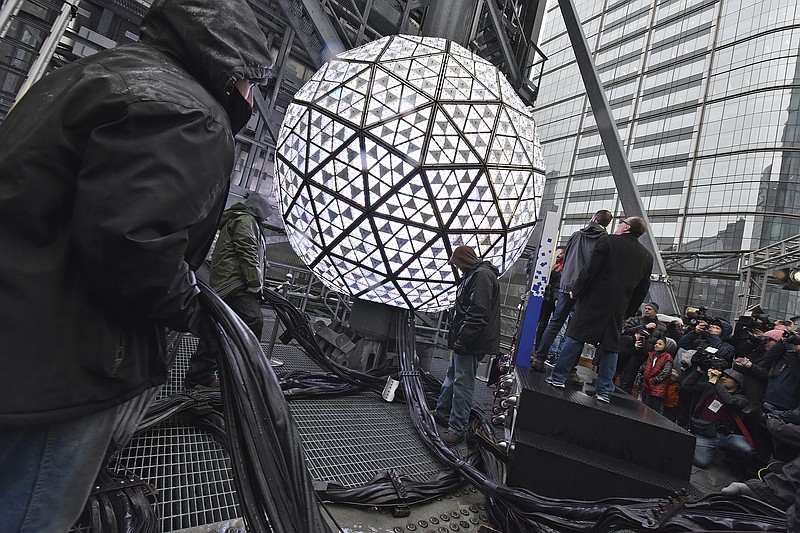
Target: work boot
[(574, 380), (537, 365), (451, 438)]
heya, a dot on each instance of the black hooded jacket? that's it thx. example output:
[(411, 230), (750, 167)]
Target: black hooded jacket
[(475, 319), (113, 173)]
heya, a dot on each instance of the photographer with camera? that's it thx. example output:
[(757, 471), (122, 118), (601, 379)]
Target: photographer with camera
[(779, 370), (639, 336), (707, 333), (717, 403)]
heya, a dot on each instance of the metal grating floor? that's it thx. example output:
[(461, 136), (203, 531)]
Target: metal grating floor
[(347, 440)]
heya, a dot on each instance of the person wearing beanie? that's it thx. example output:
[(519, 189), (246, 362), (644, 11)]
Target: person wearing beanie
[(474, 333), (238, 265)]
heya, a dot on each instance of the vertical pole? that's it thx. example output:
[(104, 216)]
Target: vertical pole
[(541, 277), (37, 70)]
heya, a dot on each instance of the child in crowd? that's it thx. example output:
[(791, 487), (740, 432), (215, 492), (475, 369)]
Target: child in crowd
[(656, 372)]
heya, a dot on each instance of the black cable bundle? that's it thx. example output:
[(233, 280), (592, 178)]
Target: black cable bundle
[(120, 503), (272, 481), (298, 328), (301, 384)]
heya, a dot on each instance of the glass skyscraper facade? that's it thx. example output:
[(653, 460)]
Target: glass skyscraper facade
[(706, 95)]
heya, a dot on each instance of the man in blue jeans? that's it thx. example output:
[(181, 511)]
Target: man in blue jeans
[(474, 332), (576, 255), (609, 289)]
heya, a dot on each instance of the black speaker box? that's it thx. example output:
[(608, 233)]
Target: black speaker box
[(569, 445)]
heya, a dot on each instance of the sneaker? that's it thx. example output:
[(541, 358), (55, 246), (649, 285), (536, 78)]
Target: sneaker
[(451, 438), (440, 419), (275, 363), (574, 380), (211, 385), (602, 398), (551, 361), (537, 365), (550, 381)]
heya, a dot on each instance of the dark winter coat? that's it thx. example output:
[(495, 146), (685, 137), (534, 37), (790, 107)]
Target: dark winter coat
[(113, 173), (238, 263), (475, 318), (610, 288), (577, 251), (637, 323), (697, 341), (780, 371)]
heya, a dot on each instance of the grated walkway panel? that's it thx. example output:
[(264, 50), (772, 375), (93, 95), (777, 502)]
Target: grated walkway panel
[(347, 440)]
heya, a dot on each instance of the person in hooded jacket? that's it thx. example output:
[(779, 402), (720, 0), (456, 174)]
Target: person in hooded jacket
[(656, 372), (474, 332), (114, 170), (609, 289), (238, 265), (576, 256)]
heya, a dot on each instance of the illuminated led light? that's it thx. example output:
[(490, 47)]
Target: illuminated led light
[(398, 151)]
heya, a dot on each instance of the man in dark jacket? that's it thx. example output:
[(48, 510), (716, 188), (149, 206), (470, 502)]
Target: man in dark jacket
[(639, 336), (716, 420), (474, 332), (610, 288), (237, 275), (113, 173), (576, 255)]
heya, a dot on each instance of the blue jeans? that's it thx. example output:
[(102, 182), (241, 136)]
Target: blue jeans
[(560, 315), (48, 471), (706, 447), (455, 398), (571, 352), (555, 348)]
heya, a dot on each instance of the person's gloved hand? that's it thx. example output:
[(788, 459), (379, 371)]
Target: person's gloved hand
[(458, 347)]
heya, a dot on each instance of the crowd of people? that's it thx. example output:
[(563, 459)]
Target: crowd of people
[(737, 391)]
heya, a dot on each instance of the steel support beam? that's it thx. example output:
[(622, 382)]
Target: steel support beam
[(331, 43), (511, 61), (39, 67), (617, 158)]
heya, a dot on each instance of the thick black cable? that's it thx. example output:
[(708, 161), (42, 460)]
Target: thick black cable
[(272, 481)]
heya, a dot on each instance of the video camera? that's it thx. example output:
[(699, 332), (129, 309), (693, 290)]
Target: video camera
[(695, 314), (791, 337), (745, 337), (707, 357)]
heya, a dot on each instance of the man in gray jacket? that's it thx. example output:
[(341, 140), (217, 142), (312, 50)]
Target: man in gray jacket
[(576, 255)]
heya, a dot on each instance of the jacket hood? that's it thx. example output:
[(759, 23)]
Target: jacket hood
[(593, 231), (480, 264), (217, 41), (237, 210)]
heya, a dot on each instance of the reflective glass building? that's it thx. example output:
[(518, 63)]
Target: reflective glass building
[(705, 94)]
